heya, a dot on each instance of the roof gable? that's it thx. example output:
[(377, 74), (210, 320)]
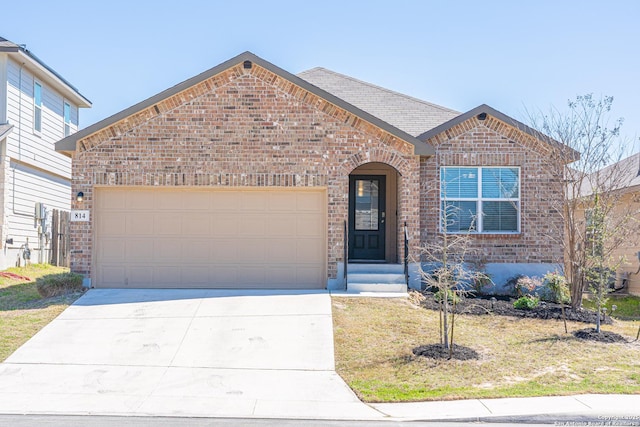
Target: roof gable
[(149, 108), (481, 112)]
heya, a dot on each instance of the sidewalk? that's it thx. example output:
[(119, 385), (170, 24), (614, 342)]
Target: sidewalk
[(618, 409)]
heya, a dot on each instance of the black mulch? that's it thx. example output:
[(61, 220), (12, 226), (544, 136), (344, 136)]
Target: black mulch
[(504, 307), (437, 351), (602, 336)]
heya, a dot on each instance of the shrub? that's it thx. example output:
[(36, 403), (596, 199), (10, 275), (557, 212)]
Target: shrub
[(520, 285), (555, 288), (53, 285), (526, 302), (481, 281)]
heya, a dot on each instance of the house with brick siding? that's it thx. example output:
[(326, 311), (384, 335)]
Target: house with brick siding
[(248, 176), (622, 183)]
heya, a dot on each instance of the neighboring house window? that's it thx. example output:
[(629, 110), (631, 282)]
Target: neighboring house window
[(37, 107), (67, 119), (480, 199)]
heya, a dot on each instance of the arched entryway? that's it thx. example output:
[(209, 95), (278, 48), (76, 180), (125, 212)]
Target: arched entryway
[(373, 208)]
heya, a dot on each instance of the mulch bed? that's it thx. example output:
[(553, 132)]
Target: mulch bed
[(504, 307), (602, 336), (437, 351)]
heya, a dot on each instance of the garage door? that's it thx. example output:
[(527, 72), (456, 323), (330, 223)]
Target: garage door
[(170, 238)]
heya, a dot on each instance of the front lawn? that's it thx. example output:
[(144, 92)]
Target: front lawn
[(627, 306), (519, 357), (23, 312)]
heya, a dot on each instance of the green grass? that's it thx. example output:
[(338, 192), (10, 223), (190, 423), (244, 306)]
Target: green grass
[(518, 357), (628, 306), (23, 312)]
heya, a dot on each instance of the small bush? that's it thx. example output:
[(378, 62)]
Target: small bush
[(53, 285), (526, 303), (555, 288), (480, 282), (520, 285)]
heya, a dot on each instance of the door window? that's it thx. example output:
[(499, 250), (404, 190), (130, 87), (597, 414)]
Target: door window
[(366, 208)]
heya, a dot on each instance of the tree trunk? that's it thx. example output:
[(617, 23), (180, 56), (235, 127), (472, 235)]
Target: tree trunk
[(576, 290), (453, 323), (445, 325), (440, 309)]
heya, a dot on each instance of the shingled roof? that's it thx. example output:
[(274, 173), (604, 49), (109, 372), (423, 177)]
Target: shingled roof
[(620, 176), (412, 115)]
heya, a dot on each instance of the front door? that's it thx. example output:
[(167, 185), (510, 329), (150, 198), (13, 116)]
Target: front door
[(367, 217)]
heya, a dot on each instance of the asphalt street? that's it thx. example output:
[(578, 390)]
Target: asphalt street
[(108, 421)]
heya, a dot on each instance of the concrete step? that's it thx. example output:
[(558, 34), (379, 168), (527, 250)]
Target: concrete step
[(390, 278), (375, 268), (377, 287), (376, 278)]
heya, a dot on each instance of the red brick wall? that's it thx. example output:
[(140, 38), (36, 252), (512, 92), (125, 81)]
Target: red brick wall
[(241, 128), (494, 143)]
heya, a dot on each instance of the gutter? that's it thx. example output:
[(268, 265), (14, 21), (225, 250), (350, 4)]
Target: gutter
[(43, 68)]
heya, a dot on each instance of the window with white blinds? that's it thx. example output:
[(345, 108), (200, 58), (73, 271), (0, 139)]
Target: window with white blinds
[(480, 199)]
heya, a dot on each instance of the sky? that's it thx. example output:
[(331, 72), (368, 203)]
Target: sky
[(518, 57)]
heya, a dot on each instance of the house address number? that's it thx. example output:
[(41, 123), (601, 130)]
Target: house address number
[(81, 216)]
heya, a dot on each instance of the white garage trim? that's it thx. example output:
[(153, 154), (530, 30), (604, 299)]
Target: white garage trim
[(194, 237)]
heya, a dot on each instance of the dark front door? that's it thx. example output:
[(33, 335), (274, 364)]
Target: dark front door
[(367, 217)]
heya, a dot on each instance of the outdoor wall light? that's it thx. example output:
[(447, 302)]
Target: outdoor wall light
[(80, 196), (482, 116)]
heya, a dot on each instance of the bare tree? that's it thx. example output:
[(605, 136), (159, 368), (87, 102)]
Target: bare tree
[(447, 269), (586, 149)]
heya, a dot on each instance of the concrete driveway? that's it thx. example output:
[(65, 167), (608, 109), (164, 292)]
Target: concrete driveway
[(184, 353)]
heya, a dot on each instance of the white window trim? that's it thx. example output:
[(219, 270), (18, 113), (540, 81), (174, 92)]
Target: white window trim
[(479, 200), (36, 106)]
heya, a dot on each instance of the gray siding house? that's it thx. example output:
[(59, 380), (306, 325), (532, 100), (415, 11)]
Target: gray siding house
[(37, 108)]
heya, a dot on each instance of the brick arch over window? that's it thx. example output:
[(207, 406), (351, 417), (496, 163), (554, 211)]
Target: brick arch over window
[(380, 155)]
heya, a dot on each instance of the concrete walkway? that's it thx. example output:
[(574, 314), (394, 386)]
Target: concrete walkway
[(206, 353)]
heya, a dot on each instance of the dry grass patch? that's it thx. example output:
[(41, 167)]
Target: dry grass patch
[(23, 312), (374, 338)]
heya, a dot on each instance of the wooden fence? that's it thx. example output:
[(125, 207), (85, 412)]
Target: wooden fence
[(60, 247)]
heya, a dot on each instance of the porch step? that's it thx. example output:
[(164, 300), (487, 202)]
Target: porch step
[(375, 268), (376, 278)]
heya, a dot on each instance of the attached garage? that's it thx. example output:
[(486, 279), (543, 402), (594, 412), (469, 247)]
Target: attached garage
[(209, 238)]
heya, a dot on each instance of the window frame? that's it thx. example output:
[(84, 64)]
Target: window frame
[(37, 107), (479, 200), (66, 125)]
